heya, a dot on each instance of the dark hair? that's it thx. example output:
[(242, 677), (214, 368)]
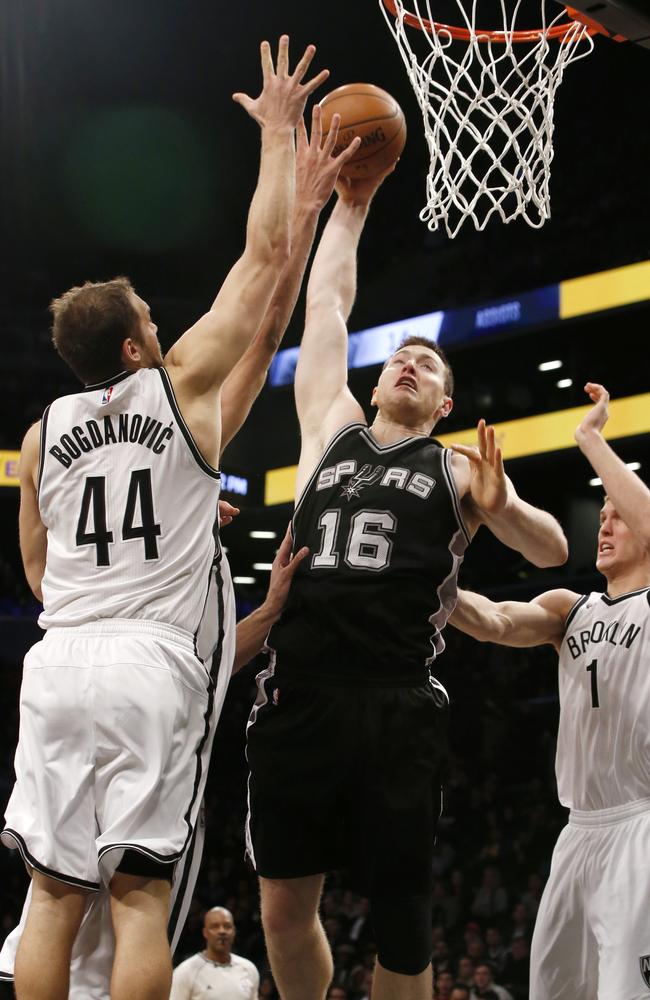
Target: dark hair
[(431, 344), (91, 322)]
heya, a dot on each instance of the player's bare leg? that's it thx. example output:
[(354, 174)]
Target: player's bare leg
[(142, 969), (42, 969), (394, 986), (300, 956)]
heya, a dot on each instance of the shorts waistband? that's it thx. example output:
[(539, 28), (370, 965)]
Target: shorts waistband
[(608, 817), (126, 626)]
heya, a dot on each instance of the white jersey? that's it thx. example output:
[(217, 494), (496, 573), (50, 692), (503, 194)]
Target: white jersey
[(603, 747), (200, 979), (130, 507)]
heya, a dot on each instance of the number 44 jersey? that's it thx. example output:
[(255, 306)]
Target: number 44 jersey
[(130, 508), (386, 539), (603, 746)]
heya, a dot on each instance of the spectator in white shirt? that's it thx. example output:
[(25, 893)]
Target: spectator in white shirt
[(216, 973)]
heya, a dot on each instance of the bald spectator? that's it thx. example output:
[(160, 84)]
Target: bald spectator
[(216, 973), (484, 986)]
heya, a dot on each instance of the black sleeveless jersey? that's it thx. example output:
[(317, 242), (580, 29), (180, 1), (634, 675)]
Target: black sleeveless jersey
[(386, 539)]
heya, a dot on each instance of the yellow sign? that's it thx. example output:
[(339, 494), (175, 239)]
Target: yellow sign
[(516, 438), (9, 468), (605, 290)]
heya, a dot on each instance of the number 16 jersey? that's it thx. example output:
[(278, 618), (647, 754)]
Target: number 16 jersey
[(130, 507), (386, 539)]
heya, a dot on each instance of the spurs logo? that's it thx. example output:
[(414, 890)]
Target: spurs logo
[(644, 964), (366, 475)]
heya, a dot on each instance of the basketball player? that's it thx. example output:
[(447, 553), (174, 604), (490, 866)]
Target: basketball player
[(118, 501), (348, 724), (592, 938)]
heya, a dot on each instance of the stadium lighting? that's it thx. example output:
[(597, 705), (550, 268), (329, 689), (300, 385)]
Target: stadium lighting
[(244, 579), (549, 366), (262, 534), (564, 383), (263, 567)]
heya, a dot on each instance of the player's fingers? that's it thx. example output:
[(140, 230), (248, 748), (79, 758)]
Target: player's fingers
[(596, 391), (312, 85), (282, 65), (316, 137), (245, 101), (498, 462), (490, 445), (298, 558), (301, 135), (304, 63), (482, 437), (283, 555), (267, 61), (468, 450), (346, 154), (332, 136)]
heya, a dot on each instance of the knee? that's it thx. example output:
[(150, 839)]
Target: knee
[(403, 933), (286, 914)]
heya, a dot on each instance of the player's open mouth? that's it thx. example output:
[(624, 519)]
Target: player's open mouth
[(605, 547), (410, 383)]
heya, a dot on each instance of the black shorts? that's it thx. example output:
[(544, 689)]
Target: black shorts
[(346, 777)]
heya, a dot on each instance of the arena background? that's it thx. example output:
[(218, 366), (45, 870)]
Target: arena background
[(123, 154)]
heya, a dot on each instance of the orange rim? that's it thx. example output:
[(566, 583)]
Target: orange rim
[(465, 35)]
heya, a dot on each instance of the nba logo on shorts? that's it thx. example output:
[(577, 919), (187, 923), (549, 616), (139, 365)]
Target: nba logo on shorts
[(106, 395), (644, 962)]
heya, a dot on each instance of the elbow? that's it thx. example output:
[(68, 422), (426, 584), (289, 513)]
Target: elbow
[(556, 555)]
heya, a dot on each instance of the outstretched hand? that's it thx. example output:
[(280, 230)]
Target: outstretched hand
[(283, 98), (226, 513), (361, 190), (488, 483), (597, 417), (282, 573), (317, 169)]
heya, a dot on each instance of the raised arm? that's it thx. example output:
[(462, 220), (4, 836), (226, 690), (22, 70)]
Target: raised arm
[(202, 358), (514, 623), (490, 498), (32, 531), (323, 400), (629, 495), (316, 173)]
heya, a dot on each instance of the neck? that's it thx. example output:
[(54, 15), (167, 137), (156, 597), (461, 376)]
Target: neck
[(385, 430), (222, 957), (627, 580)]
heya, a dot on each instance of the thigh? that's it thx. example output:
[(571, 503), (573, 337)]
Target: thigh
[(50, 816), (396, 804), (153, 738), (564, 951), (618, 909), (296, 751)]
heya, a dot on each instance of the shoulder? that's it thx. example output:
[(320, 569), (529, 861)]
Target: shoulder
[(558, 602), (246, 965), (29, 454), (189, 965)]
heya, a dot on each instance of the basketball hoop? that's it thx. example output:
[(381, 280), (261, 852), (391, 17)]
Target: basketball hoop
[(487, 107)]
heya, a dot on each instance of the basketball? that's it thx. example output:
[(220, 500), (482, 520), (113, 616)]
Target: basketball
[(375, 116)]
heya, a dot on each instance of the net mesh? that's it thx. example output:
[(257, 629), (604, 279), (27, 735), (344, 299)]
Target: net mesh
[(488, 111)]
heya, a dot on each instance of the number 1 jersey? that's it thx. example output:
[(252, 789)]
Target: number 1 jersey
[(130, 507), (603, 745), (386, 539)]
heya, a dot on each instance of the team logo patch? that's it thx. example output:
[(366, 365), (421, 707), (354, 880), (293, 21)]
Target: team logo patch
[(644, 963), (106, 395)]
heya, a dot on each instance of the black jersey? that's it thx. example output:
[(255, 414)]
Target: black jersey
[(386, 537)]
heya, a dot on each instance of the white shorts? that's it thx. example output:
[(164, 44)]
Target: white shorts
[(592, 935), (116, 723)]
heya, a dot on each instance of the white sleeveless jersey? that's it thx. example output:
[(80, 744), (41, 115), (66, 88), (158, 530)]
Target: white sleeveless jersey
[(130, 507), (603, 748)]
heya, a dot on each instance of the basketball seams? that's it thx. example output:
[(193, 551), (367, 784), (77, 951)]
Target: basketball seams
[(386, 146), (367, 121), (376, 117)]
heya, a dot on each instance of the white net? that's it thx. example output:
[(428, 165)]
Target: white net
[(488, 111)]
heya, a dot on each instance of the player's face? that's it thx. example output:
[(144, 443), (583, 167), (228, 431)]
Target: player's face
[(151, 354), (219, 930), (411, 388), (618, 547)]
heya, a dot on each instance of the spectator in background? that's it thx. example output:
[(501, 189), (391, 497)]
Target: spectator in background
[(516, 972), (444, 986), (475, 948), (531, 898), (520, 923), (216, 972), (460, 992), (484, 986), (495, 951), (491, 900), (337, 993), (441, 960), (466, 971)]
